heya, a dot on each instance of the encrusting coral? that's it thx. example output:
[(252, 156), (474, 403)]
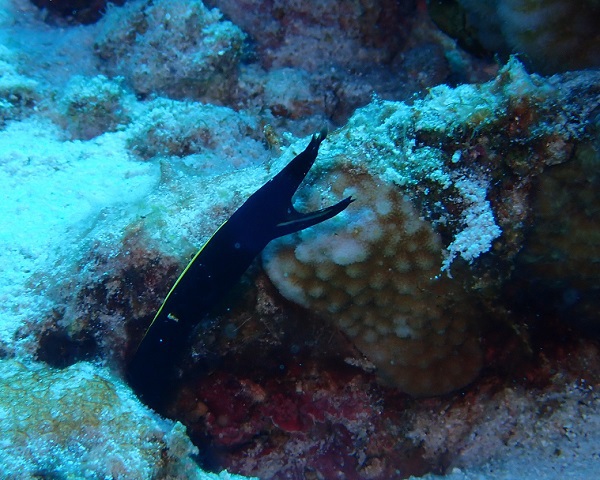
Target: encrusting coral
[(378, 279)]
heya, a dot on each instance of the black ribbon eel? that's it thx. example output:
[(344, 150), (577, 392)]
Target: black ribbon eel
[(267, 214)]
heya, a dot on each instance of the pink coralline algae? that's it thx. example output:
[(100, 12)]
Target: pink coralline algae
[(304, 422)]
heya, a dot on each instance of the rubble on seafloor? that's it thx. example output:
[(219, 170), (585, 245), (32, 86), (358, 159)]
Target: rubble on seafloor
[(446, 323)]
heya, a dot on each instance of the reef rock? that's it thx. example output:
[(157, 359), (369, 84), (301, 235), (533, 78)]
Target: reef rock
[(549, 35), (443, 208), (62, 423), (198, 53), (18, 93)]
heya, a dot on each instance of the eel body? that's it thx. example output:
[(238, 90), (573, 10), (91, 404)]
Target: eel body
[(267, 214)]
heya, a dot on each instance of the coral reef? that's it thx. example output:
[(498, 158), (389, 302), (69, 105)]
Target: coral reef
[(348, 50), (291, 427), (348, 34), (93, 324), (198, 53), (311, 415), (81, 419), (281, 401), (537, 419), (427, 243), (59, 190), (550, 36), (437, 182)]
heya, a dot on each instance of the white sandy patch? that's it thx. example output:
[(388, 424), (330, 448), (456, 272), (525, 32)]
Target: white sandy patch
[(52, 192)]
